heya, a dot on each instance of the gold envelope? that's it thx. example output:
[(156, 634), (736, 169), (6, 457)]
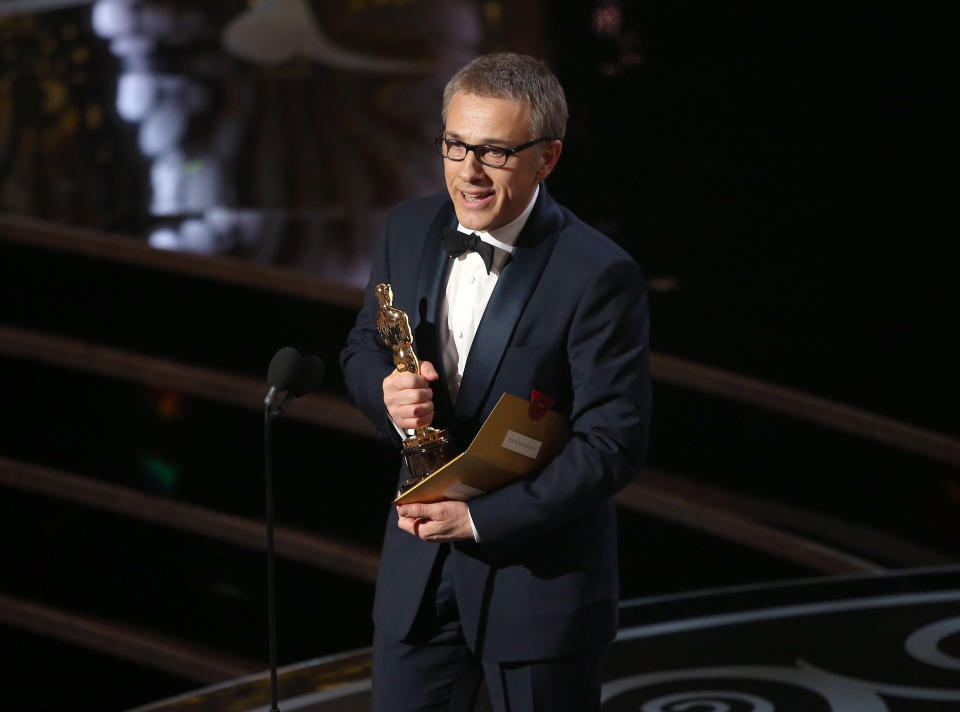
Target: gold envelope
[(508, 447)]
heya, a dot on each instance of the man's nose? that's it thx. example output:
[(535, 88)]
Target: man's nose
[(471, 168)]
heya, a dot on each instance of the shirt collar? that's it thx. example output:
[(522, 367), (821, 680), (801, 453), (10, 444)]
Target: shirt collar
[(506, 237)]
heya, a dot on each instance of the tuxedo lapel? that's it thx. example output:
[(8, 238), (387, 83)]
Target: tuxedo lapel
[(514, 287), (432, 270), (428, 311)]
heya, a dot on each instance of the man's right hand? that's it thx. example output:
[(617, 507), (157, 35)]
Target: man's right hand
[(408, 397)]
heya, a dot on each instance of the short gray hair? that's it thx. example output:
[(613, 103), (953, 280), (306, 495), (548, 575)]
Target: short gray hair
[(506, 75)]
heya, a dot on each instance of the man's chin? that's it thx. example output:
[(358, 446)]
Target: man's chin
[(477, 223)]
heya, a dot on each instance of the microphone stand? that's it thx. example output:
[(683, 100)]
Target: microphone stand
[(297, 376), (268, 416)]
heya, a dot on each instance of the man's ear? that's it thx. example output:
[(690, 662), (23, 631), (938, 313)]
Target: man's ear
[(549, 155)]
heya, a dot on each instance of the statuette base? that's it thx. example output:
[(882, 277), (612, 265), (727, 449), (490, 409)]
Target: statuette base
[(425, 452)]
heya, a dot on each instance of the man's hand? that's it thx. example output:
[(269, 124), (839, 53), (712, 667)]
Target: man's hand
[(437, 522), (408, 397)]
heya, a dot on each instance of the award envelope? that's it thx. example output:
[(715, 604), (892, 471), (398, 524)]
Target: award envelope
[(509, 446)]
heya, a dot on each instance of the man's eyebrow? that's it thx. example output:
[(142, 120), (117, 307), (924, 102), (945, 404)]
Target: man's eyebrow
[(483, 142)]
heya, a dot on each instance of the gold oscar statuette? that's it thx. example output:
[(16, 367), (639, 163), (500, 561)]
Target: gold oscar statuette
[(428, 449)]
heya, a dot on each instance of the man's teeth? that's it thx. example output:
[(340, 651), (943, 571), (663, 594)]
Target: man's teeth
[(471, 197)]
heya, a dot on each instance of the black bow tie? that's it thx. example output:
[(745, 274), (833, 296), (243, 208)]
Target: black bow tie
[(456, 243)]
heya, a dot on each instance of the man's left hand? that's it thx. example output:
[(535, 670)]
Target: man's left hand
[(437, 522)]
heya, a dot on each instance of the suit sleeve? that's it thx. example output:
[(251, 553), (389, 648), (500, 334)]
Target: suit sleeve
[(366, 360), (607, 346)]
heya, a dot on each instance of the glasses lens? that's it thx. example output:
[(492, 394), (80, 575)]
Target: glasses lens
[(491, 155), (454, 150)]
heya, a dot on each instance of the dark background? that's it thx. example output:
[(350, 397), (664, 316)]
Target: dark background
[(779, 171)]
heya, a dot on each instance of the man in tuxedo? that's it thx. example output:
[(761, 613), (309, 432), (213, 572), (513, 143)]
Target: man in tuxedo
[(518, 585)]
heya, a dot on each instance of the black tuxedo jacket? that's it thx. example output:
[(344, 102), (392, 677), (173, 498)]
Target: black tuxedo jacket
[(568, 317)]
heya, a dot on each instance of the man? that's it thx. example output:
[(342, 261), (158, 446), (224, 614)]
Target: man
[(520, 583)]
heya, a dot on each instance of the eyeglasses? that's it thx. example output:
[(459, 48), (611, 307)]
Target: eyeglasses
[(493, 156)]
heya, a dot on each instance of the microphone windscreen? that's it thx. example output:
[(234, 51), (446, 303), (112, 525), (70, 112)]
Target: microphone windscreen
[(284, 368), (309, 377)]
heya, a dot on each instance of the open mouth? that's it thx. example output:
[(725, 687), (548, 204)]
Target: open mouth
[(477, 198)]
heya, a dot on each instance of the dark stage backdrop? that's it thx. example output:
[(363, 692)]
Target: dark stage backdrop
[(779, 171)]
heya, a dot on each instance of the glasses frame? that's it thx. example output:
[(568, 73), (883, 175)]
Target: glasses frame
[(441, 140)]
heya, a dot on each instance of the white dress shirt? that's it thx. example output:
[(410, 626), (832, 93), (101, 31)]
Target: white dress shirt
[(468, 290)]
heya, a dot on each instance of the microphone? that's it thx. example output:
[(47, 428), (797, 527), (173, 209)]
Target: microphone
[(283, 370), (302, 378), (296, 375), (311, 373)]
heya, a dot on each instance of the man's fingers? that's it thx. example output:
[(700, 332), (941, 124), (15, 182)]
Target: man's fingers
[(409, 410), (408, 396), (408, 399), (400, 380), (412, 511), (440, 521), (406, 524), (428, 371), (435, 511), (413, 423), (408, 407), (412, 525), (420, 527), (412, 416), (427, 529), (418, 510)]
